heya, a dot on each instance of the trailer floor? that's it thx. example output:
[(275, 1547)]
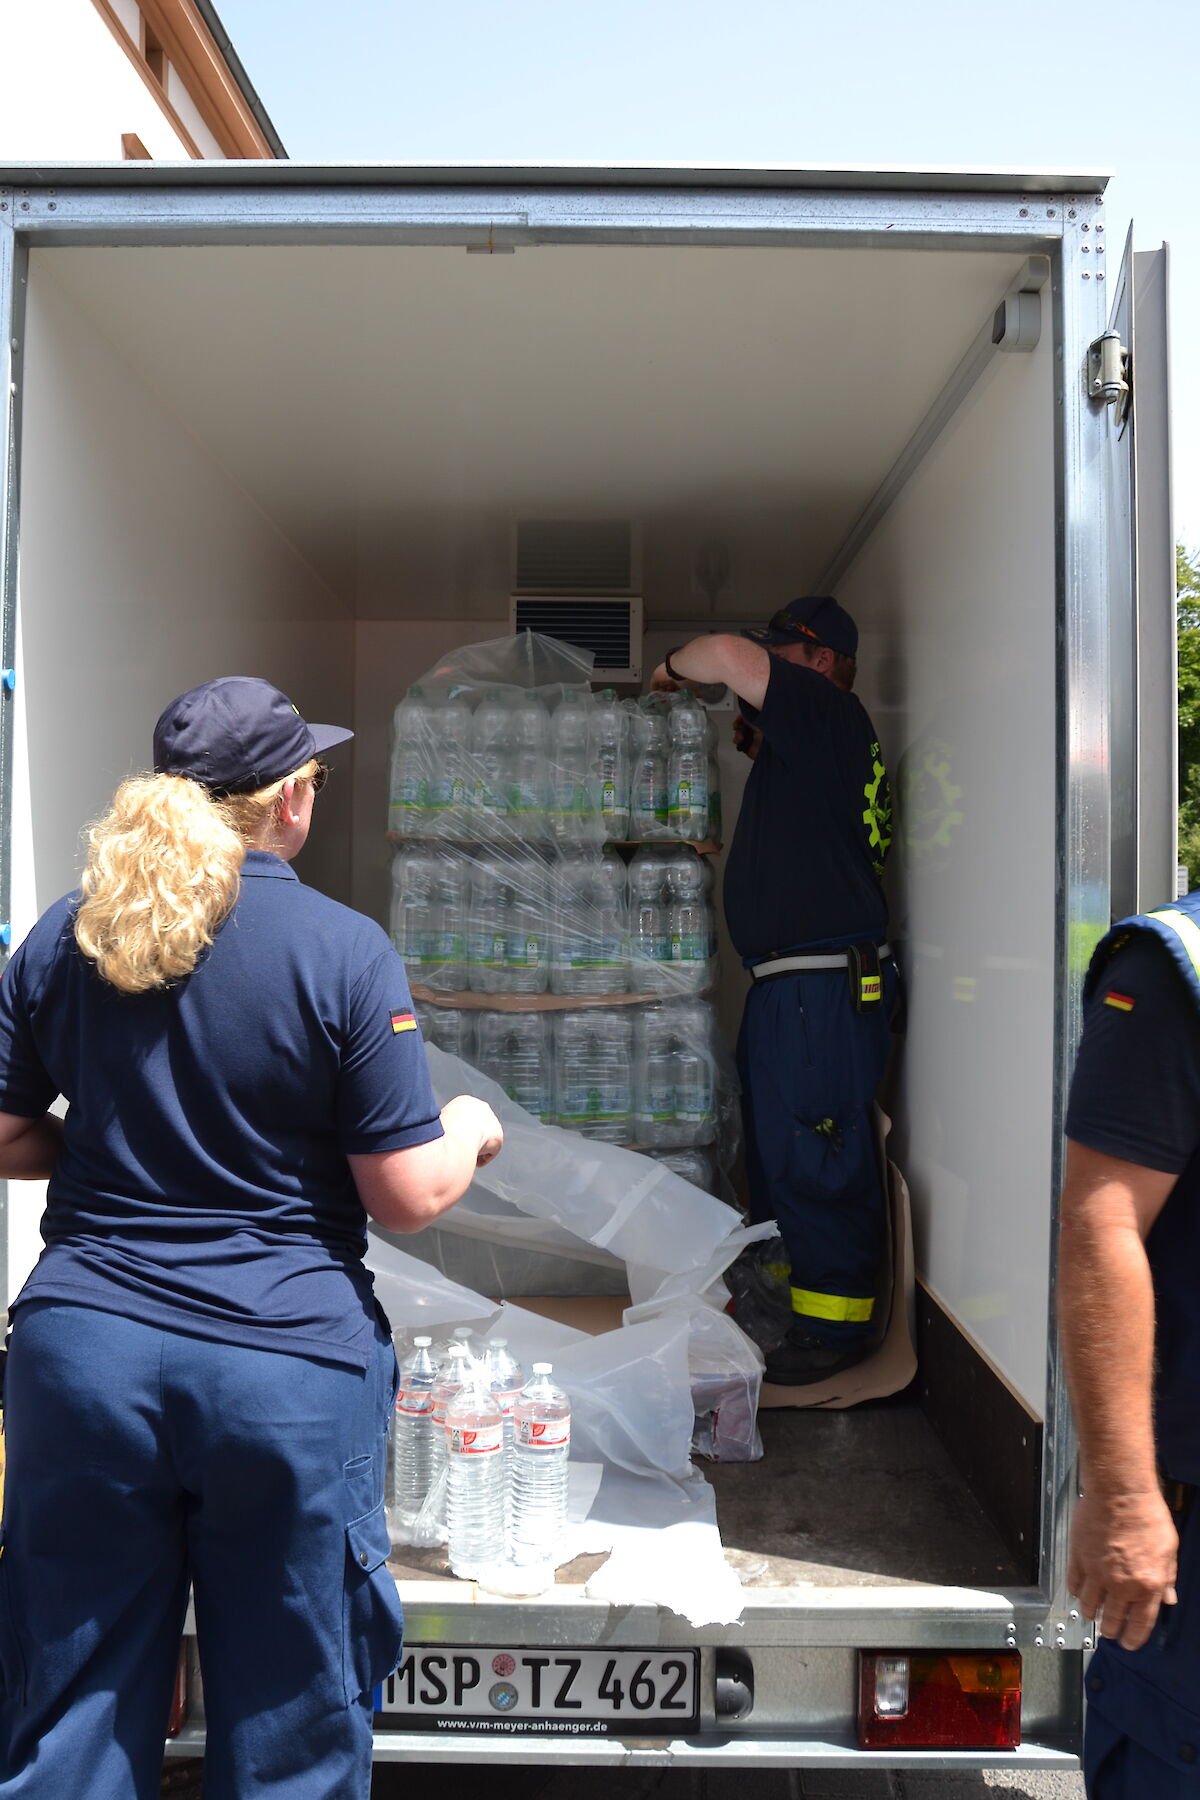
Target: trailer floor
[(867, 1496)]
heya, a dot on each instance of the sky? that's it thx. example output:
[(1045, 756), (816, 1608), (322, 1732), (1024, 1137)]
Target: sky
[(936, 83)]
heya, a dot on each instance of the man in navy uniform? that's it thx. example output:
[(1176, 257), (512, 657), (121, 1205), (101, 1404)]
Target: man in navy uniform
[(805, 909), (1129, 1308)]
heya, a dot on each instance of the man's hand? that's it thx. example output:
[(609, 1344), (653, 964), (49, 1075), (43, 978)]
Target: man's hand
[(746, 737), (1122, 1562), (470, 1117), (661, 682)]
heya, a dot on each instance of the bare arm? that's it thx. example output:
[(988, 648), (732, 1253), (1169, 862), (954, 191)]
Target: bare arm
[(721, 657), (404, 1190), (1123, 1539), (29, 1147)]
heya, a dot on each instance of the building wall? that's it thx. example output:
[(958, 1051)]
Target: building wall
[(81, 88)]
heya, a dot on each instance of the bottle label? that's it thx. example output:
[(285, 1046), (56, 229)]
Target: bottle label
[(534, 1434), (411, 793), (524, 952), (689, 946), (414, 1401), (479, 1440)]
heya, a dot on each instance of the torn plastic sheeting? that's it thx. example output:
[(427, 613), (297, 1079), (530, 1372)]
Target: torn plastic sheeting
[(672, 1557), (415, 1297), (584, 1186)]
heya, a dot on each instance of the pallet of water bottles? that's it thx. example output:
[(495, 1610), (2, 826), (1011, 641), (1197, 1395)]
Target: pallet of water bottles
[(557, 764), (651, 1077)]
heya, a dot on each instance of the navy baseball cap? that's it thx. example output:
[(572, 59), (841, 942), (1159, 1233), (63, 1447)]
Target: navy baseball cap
[(816, 619), (237, 734)]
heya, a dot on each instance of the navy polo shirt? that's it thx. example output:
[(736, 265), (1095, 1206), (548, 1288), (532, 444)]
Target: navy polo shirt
[(806, 860), (1135, 1095), (203, 1184)]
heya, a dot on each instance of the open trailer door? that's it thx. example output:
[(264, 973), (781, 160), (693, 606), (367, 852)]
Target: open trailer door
[(1127, 375)]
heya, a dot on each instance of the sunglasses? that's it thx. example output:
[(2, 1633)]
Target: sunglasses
[(783, 621), (320, 776)]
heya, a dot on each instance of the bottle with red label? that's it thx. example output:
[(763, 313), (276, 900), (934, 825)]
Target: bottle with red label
[(540, 1456), (411, 1446), (475, 1477)]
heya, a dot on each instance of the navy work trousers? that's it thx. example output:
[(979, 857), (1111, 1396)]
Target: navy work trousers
[(809, 1067), (139, 1460), (1141, 1739)]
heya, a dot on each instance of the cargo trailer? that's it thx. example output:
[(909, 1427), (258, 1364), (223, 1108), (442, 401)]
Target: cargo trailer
[(325, 423)]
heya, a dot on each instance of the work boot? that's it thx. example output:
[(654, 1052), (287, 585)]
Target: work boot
[(802, 1359)]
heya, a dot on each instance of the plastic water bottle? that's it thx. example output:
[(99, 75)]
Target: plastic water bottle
[(452, 1368), (530, 797), (487, 924), (610, 764), (527, 926), (648, 782), (695, 1114), (412, 762), (690, 1165), (446, 958), (654, 1079), (572, 789), (475, 1486), (687, 768), (593, 1053), (689, 923), (649, 937), (451, 1030), (514, 1050), (411, 1448), (505, 1378), (450, 783), (491, 764), (413, 907), (540, 1478), (591, 911)]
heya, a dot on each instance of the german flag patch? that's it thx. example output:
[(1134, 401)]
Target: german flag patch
[(1122, 1002), (404, 1022)]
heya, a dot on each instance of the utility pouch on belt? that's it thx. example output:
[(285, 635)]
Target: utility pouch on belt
[(866, 977)]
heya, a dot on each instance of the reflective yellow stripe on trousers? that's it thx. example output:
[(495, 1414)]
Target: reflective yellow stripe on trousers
[(845, 1308), (1186, 930)]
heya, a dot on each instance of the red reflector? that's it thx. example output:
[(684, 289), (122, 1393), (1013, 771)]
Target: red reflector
[(965, 1702)]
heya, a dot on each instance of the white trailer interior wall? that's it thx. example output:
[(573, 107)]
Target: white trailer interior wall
[(955, 592)]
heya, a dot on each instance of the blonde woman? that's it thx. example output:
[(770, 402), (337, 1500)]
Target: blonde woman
[(199, 1377)]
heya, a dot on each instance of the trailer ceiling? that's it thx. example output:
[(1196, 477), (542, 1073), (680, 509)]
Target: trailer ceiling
[(366, 395)]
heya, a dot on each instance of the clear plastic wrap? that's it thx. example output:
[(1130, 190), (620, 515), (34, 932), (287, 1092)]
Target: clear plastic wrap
[(654, 1076)]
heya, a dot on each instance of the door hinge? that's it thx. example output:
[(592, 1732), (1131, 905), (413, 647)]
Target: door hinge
[(1110, 374)]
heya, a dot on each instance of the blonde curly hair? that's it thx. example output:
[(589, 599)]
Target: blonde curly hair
[(163, 873)]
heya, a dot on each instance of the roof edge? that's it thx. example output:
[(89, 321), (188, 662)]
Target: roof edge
[(849, 177), (233, 63)]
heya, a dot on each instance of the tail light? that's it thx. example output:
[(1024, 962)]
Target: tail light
[(929, 1702)]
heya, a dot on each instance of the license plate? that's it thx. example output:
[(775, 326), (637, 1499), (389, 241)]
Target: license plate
[(580, 1693)]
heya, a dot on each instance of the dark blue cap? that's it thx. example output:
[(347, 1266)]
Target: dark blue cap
[(237, 734), (817, 619)]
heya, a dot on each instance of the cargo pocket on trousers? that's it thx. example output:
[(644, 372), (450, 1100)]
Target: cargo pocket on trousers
[(373, 1620), (12, 1654)]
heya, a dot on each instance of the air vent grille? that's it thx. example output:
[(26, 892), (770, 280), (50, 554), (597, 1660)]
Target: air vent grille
[(574, 556), (605, 627)]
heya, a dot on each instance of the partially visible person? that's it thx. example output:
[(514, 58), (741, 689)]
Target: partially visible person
[(805, 908), (1129, 1311), (199, 1379)]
